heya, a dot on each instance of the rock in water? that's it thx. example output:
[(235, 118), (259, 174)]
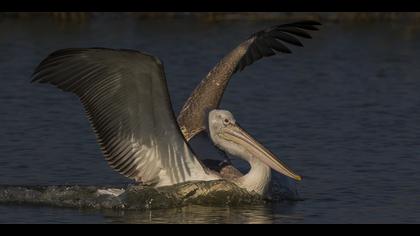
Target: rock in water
[(211, 193)]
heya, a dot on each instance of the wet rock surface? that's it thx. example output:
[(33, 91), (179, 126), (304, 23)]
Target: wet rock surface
[(212, 193)]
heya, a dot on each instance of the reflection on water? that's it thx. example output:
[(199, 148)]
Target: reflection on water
[(202, 214), (188, 215), (343, 112)]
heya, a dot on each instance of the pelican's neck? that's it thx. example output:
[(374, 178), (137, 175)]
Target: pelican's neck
[(258, 177)]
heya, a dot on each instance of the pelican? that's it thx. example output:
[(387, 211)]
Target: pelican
[(125, 97)]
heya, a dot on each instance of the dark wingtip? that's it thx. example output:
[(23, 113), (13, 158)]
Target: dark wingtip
[(34, 78), (272, 40), (299, 44)]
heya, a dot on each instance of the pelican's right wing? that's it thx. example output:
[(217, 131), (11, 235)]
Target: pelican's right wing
[(207, 95), (125, 97)]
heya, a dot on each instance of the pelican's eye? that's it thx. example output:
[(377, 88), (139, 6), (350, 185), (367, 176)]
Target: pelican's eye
[(226, 121)]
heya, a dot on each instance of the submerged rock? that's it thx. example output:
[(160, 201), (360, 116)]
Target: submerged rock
[(212, 193)]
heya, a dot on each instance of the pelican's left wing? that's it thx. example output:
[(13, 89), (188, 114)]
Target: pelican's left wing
[(126, 99), (208, 93)]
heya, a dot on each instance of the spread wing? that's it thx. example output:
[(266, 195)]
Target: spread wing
[(125, 96), (208, 93)]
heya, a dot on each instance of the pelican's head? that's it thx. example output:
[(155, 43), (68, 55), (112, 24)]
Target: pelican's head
[(226, 133)]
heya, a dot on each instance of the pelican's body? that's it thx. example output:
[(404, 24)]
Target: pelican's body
[(126, 99)]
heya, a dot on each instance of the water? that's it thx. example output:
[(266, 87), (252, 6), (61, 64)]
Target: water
[(344, 112)]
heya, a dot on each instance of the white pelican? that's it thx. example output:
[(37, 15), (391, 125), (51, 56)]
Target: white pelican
[(125, 96)]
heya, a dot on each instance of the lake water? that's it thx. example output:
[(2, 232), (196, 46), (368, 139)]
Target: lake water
[(344, 112)]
